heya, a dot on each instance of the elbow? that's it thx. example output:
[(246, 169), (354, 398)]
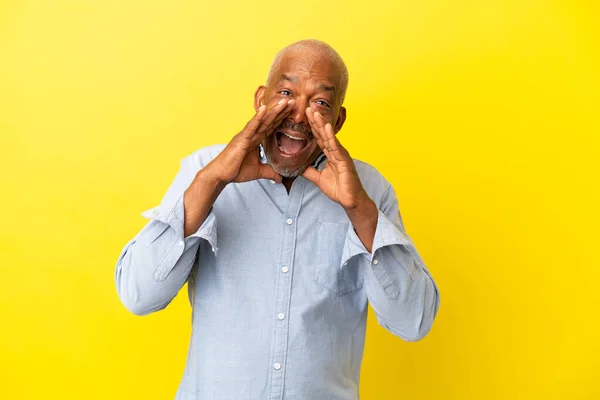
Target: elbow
[(135, 293), (406, 333), (133, 303), (138, 308), (423, 326), (139, 305), (137, 301), (414, 325), (422, 320), (417, 334)]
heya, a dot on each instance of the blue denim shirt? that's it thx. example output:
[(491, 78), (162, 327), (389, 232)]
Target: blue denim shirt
[(279, 285)]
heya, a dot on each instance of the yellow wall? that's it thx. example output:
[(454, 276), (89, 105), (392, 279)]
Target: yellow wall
[(483, 114)]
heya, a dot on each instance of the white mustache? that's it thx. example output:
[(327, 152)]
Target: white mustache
[(291, 125)]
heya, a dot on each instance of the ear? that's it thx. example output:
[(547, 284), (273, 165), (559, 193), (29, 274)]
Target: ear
[(259, 97), (340, 120)]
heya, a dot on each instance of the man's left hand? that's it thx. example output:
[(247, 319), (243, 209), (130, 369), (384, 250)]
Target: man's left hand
[(338, 180)]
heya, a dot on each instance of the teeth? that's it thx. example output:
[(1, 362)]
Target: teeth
[(291, 137)]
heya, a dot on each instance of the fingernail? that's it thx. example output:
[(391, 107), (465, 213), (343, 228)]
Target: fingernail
[(262, 107), (291, 101), (280, 101)]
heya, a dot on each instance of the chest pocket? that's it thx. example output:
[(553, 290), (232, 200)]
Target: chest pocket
[(331, 238)]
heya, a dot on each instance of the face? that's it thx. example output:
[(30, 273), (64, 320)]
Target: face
[(312, 81)]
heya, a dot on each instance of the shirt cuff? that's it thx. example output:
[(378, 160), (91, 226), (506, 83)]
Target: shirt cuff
[(174, 216), (170, 214), (386, 234)]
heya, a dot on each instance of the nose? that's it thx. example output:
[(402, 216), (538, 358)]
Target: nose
[(298, 114)]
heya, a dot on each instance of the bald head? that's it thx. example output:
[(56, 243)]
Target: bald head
[(313, 49)]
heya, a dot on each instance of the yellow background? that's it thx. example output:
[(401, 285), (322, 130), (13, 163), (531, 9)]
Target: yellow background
[(483, 115)]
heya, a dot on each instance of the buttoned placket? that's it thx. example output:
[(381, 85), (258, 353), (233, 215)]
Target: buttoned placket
[(285, 269)]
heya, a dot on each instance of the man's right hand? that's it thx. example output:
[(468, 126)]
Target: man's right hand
[(239, 161)]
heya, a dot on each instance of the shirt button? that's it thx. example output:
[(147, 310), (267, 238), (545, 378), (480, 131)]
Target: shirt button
[(180, 243), (284, 269), (273, 182), (289, 221), (280, 316), (375, 261), (277, 366)]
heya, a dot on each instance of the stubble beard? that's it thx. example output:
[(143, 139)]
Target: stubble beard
[(283, 171)]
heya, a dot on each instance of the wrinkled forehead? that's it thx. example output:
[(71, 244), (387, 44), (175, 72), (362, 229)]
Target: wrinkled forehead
[(313, 65)]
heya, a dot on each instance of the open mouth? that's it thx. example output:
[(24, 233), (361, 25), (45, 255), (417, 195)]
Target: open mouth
[(290, 144)]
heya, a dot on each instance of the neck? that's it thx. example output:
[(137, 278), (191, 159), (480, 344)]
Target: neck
[(287, 182)]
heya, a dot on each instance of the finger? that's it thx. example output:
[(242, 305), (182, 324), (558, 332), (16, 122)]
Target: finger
[(312, 174), (280, 109), (310, 114), (319, 130), (269, 124), (284, 114), (273, 108), (265, 171), (268, 129), (316, 130), (254, 123), (336, 151), (319, 121), (326, 131), (333, 149)]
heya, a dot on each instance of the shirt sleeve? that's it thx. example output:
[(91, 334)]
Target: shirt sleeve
[(157, 262), (398, 285)]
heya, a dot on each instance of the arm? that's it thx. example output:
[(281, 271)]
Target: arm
[(401, 291), (154, 266), (399, 288), (156, 263)]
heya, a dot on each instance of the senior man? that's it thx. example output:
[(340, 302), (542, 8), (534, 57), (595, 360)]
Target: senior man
[(283, 239)]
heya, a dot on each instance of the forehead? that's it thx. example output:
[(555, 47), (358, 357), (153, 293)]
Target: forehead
[(306, 65)]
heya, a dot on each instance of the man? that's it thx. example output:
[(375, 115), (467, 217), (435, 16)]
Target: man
[(283, 239)]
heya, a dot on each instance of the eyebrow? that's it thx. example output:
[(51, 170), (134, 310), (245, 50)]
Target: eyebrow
[(326, 88), (294, 79), (290, 78)]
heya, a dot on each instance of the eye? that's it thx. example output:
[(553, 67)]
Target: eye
[(323, 103), (285, 92)]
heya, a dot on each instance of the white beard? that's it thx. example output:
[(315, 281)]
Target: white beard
[(285, 172)]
